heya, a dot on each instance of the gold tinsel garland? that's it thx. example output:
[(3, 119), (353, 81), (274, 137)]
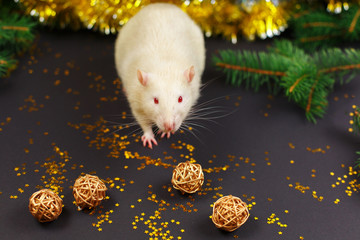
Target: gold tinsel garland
[(250, 18), (337, 6), (60, 13), (264, 20)]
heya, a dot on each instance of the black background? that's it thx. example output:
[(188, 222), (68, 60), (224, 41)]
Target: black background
[(260, 127)]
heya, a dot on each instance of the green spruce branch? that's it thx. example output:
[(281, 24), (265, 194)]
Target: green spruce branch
[(16, 36), (7, 63), (16, 31), (304, 79), (317, 28)]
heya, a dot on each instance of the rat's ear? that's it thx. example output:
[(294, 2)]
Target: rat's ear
[(189, 74), (143, 77)]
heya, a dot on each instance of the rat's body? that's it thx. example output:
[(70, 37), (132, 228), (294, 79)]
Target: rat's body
[(160, 57)]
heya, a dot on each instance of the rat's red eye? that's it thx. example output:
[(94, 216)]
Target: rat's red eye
[(180, 99), (156, 101)]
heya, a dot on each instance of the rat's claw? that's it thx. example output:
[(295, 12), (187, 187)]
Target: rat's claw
[(167, 134), (148, 140), (163, 134)]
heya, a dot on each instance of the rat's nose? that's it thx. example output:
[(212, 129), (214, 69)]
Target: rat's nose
[(169, 127)]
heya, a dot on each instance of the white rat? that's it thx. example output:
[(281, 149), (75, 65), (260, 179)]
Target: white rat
[(160, 57)]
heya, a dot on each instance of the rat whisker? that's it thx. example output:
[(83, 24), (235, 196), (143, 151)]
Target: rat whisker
[(116, 124), (119, 115), (211, 101), (208, 117), (205, 119), (185, 128), (121, 128), (207, 111), (208, 114), (194, 125), (206, 84), (136, 132), (113, 132), (207, 107)]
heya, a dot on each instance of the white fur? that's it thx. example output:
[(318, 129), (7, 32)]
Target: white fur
[(163, 42)]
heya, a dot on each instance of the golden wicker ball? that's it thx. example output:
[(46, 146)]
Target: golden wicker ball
[(187, 177), (229, 213), (45, 205), (88, 191)]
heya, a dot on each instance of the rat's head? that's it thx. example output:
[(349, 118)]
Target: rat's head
[(168, 98)]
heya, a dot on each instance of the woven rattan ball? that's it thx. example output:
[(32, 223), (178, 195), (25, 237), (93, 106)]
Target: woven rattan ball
[(187, 177), (45, 205), (229, 213), (88, 191)]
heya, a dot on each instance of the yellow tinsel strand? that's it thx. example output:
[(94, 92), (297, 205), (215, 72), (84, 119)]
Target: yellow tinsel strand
[(220, 17), (215, 17), (264, 19), (107, 16), (52, 12), (335, 6)]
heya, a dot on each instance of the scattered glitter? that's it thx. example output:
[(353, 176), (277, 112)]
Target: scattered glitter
[(353, 185), (273, 219), (6, 122), (57, 82), (300, 187), (319, 198), (316, 150), (31, 105)]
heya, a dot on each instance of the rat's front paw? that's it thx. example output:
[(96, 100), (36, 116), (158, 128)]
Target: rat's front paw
[(148, 139)]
